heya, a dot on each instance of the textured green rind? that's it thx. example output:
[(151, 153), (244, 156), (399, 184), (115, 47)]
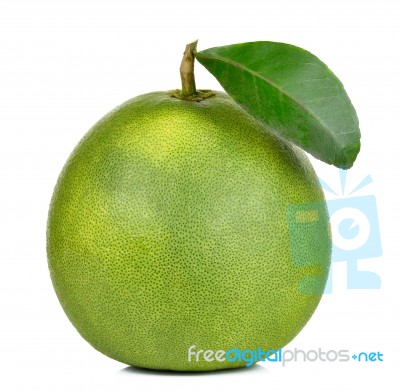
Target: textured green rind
[(293, 93), (168, 228)]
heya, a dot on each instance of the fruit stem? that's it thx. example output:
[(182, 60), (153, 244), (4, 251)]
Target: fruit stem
[(187, 70), (189, 92)]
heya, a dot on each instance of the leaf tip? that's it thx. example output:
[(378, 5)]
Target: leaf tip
[(349, 155)]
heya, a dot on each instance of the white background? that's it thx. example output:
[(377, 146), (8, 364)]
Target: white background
[(63, 65)]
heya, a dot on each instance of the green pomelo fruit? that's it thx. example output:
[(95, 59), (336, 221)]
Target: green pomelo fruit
[(178, 223)]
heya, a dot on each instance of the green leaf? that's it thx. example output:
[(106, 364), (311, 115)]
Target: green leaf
[(293, 93)]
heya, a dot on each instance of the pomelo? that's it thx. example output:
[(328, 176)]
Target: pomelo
[(178, 223)]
